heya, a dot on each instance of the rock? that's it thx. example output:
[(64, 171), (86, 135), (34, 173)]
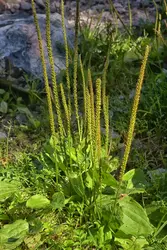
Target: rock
[(53, 7), (25, 6), (91, 8), (98, 7), (2, 6), (73, 4), (119, 8), (106, 16), (19, 43), (99, 2), (15, 7), (40, 3)]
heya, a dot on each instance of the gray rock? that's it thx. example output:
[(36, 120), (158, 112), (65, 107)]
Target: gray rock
[(89, 8), (53, 7), (98, 7), (99, 2), (15, 8), (2, 6), (73, 5), (40, 3), (19, 42), (119, 8), (25, 6)]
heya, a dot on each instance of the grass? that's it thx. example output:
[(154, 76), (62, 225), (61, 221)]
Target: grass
[(97, 180)]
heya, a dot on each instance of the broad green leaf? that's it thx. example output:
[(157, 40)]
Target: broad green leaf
[(12, 235), (58, 200), (132, 243), (77, 184), (3, 107), (109, 180), (6, 190), (135, 220), (37, 202), (136, 181)]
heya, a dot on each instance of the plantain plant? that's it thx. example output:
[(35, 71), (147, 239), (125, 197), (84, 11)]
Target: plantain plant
[(83, 163)]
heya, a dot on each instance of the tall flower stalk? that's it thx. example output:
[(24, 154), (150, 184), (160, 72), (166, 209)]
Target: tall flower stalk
[(76, 64), (92, 106), (105, 101), (45, 75), (107, 123), (98, 129), (89, 116), (98, 112), (53, 73), (84, 91), (63, 97), (132, 124), (133, 115), (67, 58)]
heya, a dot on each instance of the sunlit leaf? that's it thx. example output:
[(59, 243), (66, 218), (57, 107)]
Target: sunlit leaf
[(132, 243), (6, 190), (136, 181), (135, 220), (37, 202), (109, 180), (12, 235)]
